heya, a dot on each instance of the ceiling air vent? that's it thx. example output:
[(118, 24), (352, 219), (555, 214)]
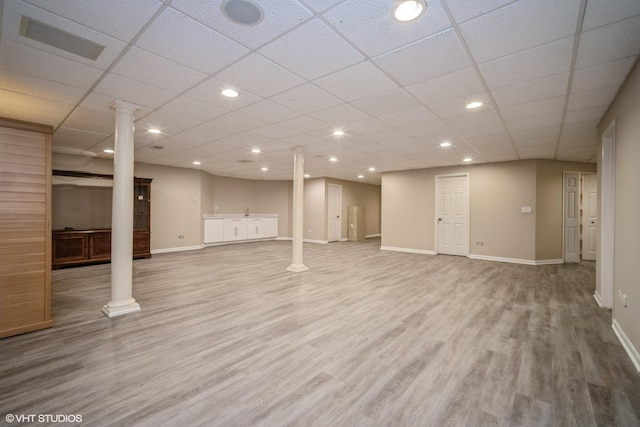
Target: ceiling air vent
[(244, 161), (156, 147), (242, 12), (57, 38)]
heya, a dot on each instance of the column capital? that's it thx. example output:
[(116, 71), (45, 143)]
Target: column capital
[(120, 105)]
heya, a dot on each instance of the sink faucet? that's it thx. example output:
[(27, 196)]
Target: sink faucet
[(246, 213)]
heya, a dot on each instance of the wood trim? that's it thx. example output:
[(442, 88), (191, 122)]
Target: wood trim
[(28, 126), (48, 221), (77, 174)]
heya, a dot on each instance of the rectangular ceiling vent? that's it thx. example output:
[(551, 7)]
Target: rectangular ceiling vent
[(244, 161), (156, 147), (59, 39)]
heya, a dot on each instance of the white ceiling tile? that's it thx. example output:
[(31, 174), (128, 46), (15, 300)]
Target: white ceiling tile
[(272, 78), (520, 26), (609, 43), (537, 151), (602, 12), (607, 74), (303, 124), (31, 109), (592, 98), (11, 18), (274, 131), (240, 121), (548, 120), (533, 90), (198, 110), (166, 74), (465, 10), (357, 81), (585, 114), (366, 126), (432, 57), (212, 131), (313, 43), (456, 106), (168, 122), (40, 88), (506, 155), (371, 27), (104, 104), (118, 87), (77, 138), (485, 120), (491, 142), (91, 120), (279, 17), (386, 103), (210, 90), (29, 61), (533, 109), (340, 116), (121, 19), (534, 142), (435, 129), (576, 155), (307, 98), (540, 61), (405, 117), (535, 133), (181, 39), (269, 111), (448, 86)]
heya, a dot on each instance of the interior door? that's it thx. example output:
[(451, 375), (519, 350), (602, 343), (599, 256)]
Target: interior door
[(589, 216), (334, 212), (452, 215), (571, 217)]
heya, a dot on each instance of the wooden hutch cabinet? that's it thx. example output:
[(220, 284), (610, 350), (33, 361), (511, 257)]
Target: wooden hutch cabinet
[(83, 247)]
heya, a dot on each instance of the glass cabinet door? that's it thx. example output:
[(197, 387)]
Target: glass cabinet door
[(141, 206)]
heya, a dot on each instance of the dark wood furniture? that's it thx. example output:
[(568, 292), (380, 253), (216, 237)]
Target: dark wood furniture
[(83, 247)]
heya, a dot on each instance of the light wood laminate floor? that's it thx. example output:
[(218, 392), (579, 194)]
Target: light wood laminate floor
[(228, 337)]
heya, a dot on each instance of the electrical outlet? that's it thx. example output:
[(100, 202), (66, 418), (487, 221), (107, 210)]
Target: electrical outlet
[(623, 298), (479, 243), (180, 236)]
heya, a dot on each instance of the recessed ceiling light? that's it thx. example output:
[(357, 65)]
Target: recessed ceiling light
[(306, 175), (468, 159), (230, 93), (474, 104), (338, 132), (445, 144), (409, 10), (360, 176), (264, 169), (333, 159), (154, 131), (256, 151), (197, 163), (109, 151), (242, 12), (371, 169)]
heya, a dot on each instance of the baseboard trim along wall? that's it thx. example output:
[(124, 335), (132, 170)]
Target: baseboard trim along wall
[(315, 241), (516, 260), (178, 249), (408, 250), (626, 343), (596, 296), (369, 236)]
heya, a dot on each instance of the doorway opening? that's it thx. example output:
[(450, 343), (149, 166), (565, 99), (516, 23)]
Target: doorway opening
[(452, 214), (580, 216)]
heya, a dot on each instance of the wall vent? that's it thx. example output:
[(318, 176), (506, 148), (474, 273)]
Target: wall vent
[(59, 39)]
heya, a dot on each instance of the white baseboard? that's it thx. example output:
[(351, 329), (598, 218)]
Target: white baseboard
[(178, 249), (284, 238), (516, 260), (408, 250), (596, 296), (626, 343), (369, 236), (315, 241)]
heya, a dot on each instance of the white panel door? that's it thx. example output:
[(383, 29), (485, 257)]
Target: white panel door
[(571, 217), (334, 212), (589, 216), (452, 215)]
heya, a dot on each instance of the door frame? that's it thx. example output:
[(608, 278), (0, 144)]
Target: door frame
[(564, 214), (339, 208), (437, 207)]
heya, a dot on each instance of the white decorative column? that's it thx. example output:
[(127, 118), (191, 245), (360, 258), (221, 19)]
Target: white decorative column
[(122, 301), (297, 263)]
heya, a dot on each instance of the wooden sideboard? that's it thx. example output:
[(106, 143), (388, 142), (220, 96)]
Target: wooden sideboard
[(84, 247)]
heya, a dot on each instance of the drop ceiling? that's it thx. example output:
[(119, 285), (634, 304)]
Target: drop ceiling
[(545, 71)]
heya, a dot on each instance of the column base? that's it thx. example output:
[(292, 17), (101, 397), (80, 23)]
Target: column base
[(113, 309), (297, 268)]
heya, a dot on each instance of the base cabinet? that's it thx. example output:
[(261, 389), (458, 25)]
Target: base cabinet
[(220, 230)]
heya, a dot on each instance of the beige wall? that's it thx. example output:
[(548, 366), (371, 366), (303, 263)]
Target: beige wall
[(315, 210), (549, 187), (498, 191), (358, 194), (625, 110)]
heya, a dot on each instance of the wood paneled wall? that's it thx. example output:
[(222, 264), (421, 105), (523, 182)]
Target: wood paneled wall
[(25, 227)]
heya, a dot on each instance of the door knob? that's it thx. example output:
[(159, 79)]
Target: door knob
[(439, 219)]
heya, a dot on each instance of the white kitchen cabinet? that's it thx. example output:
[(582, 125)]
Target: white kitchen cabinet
[(235, 229), (255, 228), (270, 227), (213, 230)]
